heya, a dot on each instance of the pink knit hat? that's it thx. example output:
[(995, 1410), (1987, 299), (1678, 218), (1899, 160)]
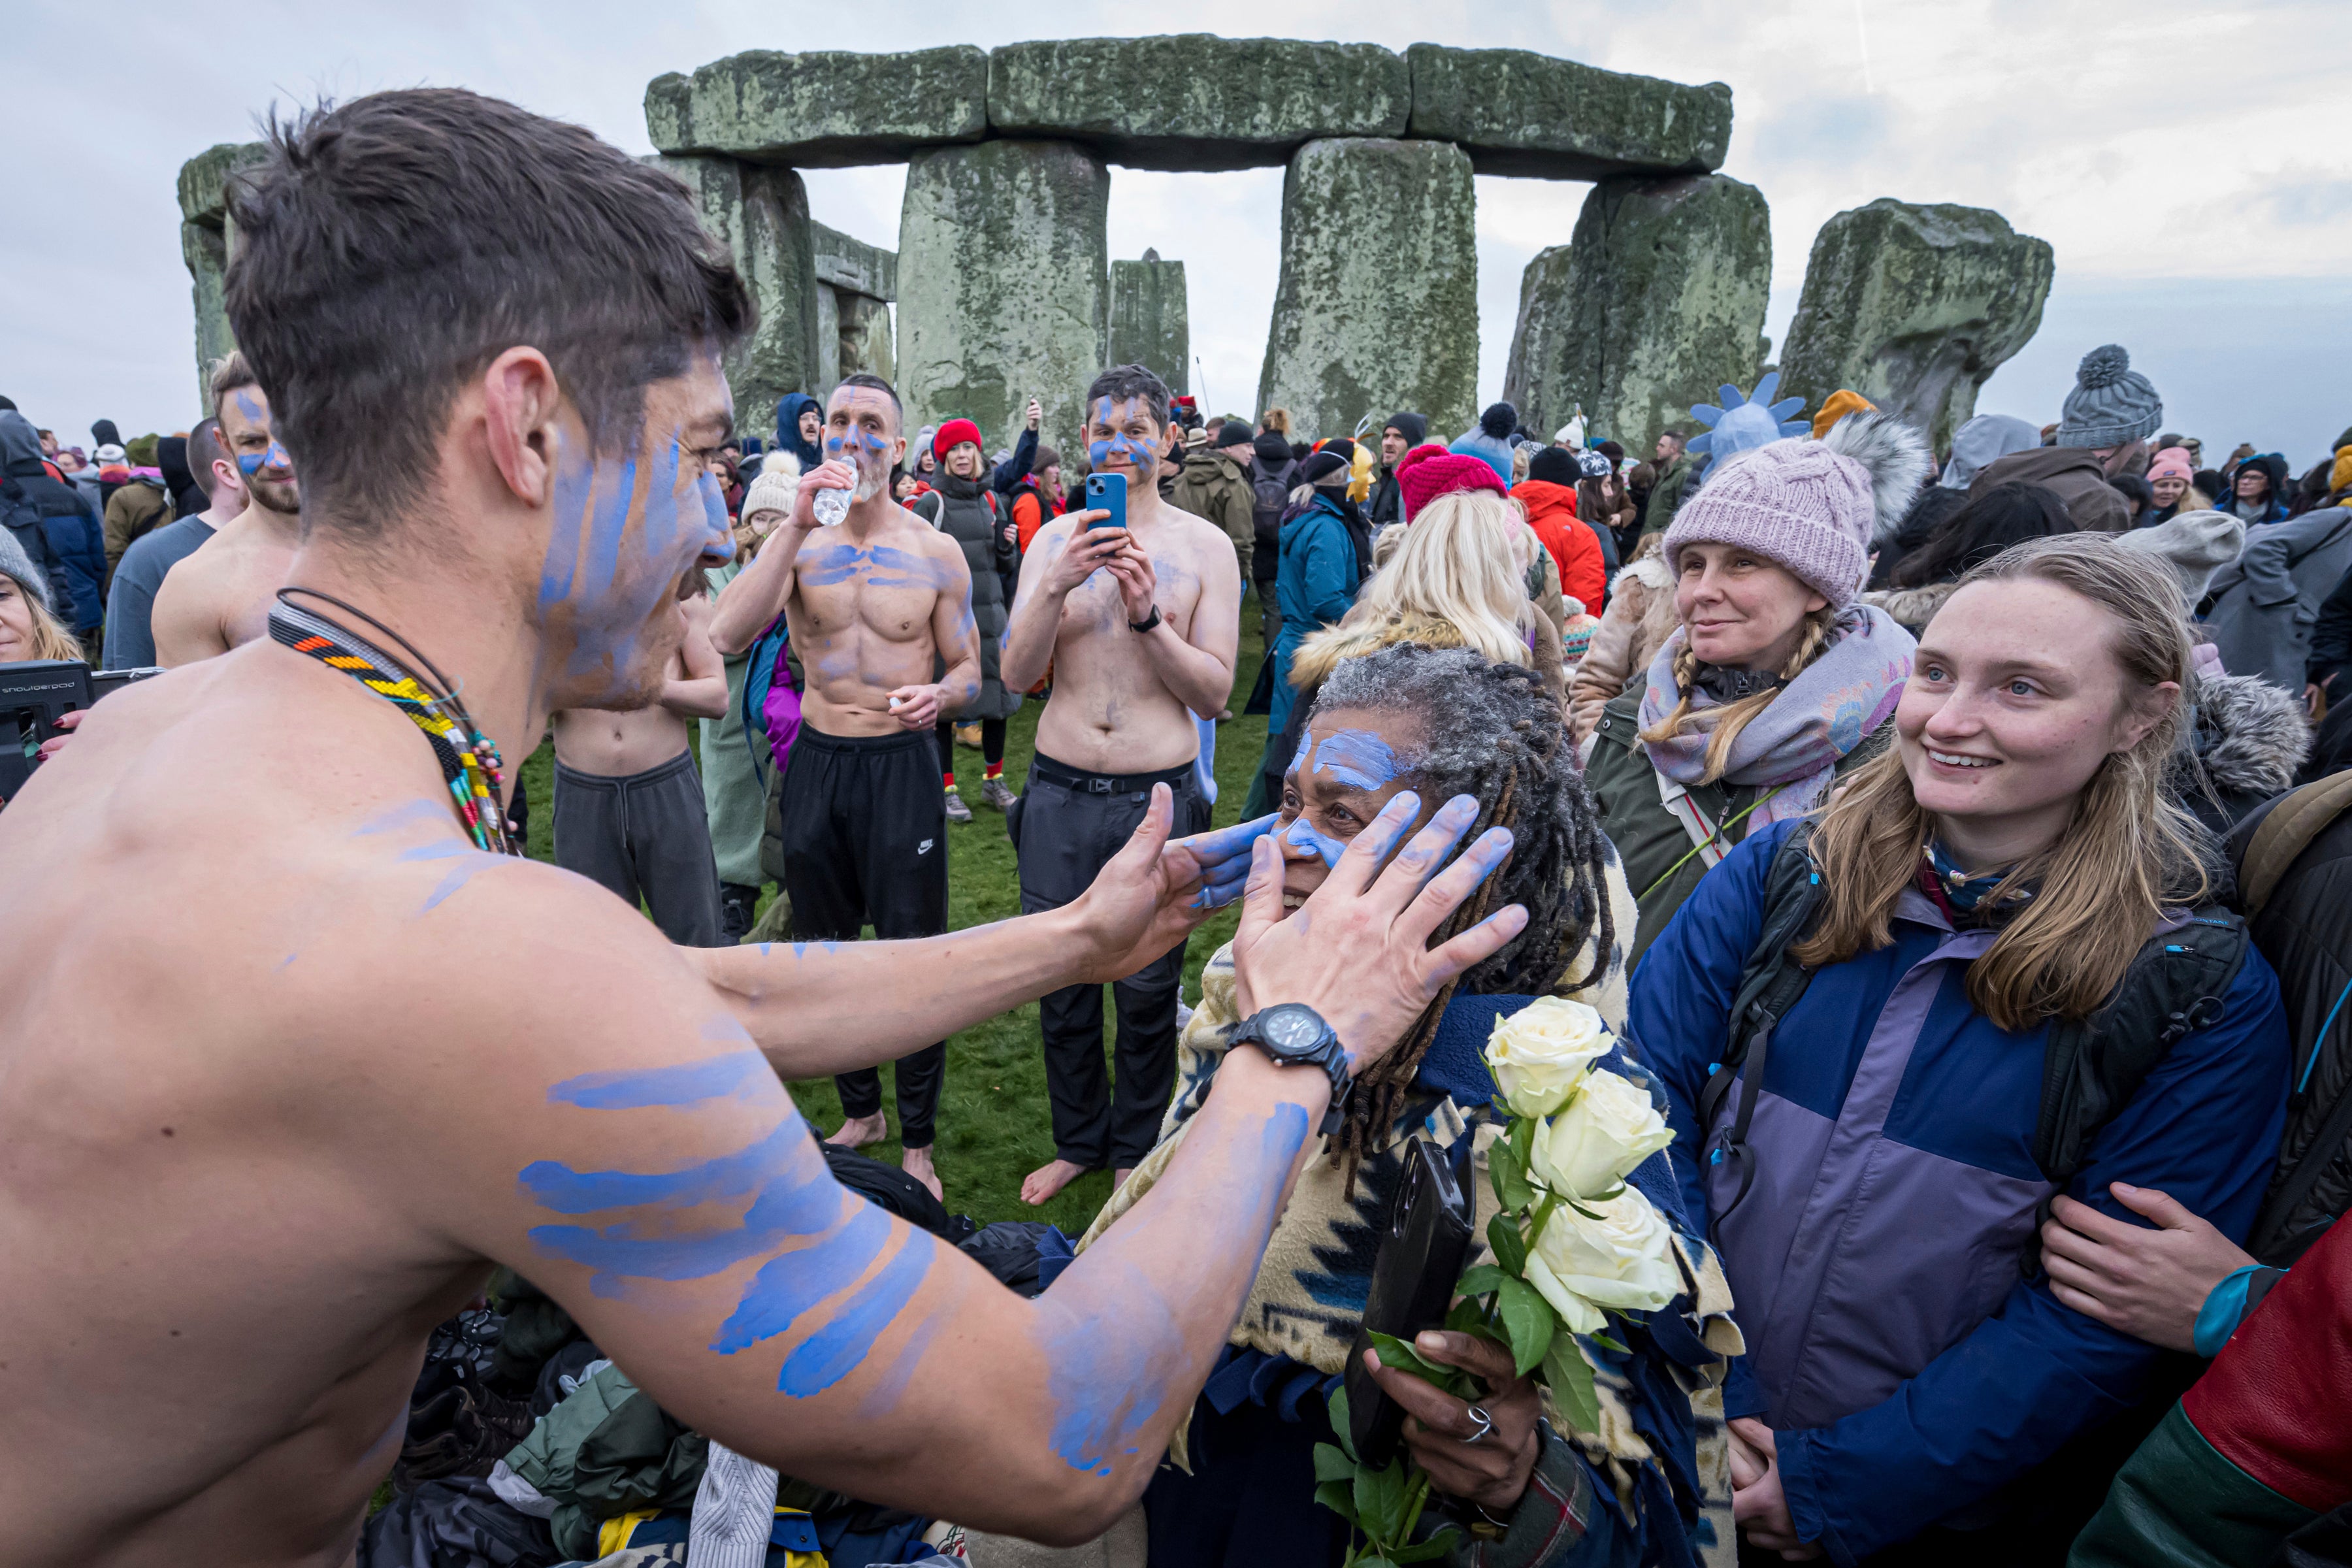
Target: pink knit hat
[(1795, 502), (2172, 463), (1429, 471)]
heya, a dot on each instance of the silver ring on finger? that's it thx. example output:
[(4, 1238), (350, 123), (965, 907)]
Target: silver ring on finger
[(1485, 1427)]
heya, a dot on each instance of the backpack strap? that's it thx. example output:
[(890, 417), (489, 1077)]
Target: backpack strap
[(2286, 831), (2093, 1067), (1769, 985)]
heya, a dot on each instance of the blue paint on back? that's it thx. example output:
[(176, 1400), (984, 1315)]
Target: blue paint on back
[(738, 1074)]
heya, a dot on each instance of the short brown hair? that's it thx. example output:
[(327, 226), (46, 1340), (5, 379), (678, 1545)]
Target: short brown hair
[(391, 247), (229, 372)]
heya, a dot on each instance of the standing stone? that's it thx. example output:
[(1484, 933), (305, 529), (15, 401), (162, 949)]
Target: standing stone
[(866, 337), (824, 110), (1150, 324), (1378, 305), (1915, 307), (1665, 291), (1003, 280), (1539, 341), (760, 214), (207, 236), (1195, 101), (1518, 112), (828, 342)]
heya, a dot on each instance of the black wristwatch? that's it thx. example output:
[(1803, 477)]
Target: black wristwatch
[(1294, 1035), (1145, 623)]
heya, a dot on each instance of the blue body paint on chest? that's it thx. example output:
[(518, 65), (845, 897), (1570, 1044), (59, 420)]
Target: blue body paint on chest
[(877, 566)]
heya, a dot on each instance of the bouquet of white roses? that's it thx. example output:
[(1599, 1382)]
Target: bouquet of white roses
[(1573, 1242)]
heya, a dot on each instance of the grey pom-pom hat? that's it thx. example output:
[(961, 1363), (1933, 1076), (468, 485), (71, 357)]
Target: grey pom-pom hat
[(2111, 403)]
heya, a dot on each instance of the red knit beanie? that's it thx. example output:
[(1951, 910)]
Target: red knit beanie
[(1427, 472), (953, 434)]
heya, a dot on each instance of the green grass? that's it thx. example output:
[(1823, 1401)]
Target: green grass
[(993, 1124)]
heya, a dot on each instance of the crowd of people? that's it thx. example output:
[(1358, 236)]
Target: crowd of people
[(1949, 840)]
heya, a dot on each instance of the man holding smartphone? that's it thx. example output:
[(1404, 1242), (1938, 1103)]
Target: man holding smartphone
[(1137, 606)]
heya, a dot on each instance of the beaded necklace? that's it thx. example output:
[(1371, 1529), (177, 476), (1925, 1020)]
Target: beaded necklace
[(469, 759)]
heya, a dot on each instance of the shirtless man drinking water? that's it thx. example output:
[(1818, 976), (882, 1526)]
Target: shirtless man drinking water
[(255, 1151), (874, 606), (220, 596), (1140, 625)]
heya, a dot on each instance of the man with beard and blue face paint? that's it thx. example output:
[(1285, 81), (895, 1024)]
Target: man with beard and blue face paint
[(219, 597), (256, 1150), (879, 610), (1140, 624)]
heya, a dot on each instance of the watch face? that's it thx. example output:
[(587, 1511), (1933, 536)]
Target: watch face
[(1293, 1028)]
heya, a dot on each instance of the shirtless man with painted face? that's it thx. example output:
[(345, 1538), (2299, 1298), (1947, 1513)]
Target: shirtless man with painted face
[(1140, 625), (874, 606), (220, 596), (255, 1151)]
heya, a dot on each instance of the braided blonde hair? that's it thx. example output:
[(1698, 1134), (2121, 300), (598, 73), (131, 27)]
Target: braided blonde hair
[(1734, 716)]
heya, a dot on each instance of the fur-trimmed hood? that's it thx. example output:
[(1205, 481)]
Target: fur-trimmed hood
[(1893, 455), (1912, 608), (2249, 735)]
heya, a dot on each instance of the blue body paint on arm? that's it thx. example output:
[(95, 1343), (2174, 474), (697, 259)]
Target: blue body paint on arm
[(836, 1349)]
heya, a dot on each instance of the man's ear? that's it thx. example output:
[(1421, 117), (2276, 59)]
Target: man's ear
[(521, 403)]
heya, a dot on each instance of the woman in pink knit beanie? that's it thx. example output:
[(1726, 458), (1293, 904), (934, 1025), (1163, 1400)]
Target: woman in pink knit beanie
[(1777, 678)]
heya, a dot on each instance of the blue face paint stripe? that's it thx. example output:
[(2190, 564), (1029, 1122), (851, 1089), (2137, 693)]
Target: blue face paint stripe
[(575, 482), (847, 1338), (1358, 759), (787, 1287), (733, 1076)]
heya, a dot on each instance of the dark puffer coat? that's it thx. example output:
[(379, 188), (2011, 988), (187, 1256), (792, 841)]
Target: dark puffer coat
[(974, 518)]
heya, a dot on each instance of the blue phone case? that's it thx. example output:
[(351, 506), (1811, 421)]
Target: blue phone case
[(1108, 492)]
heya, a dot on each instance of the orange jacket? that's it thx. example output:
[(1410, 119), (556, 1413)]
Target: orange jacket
[(1575, 549)]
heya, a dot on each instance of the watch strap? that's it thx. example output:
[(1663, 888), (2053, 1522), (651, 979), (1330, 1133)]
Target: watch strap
[(1148, 623)]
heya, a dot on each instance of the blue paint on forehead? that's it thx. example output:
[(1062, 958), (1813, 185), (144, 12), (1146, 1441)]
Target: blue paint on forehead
[(1358, 759)]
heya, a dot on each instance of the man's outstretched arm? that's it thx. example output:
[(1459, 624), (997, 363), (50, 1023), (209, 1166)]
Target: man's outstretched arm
[(813, 1006), (626, 1150)]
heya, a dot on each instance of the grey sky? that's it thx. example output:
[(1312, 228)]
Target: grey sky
[(2188, 165)]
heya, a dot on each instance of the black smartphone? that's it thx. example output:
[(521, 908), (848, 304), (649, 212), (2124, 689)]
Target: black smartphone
[(1108, 492), (1421, 1257)]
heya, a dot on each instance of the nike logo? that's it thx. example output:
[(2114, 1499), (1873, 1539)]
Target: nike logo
[(924, 848)]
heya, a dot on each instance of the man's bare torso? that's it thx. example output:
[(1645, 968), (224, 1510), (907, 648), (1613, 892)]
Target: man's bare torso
[(219, 596), (861, 619), (1109, 711), (181, 1034), (614, 742)]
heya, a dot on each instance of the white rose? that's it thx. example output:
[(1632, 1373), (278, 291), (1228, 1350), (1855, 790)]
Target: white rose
[(1622, 1260), (1607, 1127), (1538, 1053)]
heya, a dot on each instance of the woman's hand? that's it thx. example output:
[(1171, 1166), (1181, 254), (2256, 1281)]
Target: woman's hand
[(67, 723), (2149, 1284), (1485, 1465), (1758, 1507)]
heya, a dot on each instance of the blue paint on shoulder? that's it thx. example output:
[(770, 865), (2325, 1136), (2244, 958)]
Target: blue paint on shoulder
[(790, 1285), (737, 1075), (419, 810), (847, 1338)]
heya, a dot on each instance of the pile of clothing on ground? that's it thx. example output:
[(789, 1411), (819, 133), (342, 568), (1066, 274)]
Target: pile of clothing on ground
[(527, 1447)]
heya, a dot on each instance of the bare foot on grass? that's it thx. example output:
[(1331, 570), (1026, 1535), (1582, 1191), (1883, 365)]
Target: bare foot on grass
[(1040, 1185), (859, 1131), (917, 1163)]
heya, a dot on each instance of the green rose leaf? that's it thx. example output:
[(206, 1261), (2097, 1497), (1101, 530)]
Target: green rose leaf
[(1511, 1247), (1569, 1377), (1437, 1545), (1332, 1465), (1380, 1502), (1482, 1280), (1339, 1497), (1528, 1318), (1399, 1356), (1470, 1318), (1507, 1168), (1337, 1405)]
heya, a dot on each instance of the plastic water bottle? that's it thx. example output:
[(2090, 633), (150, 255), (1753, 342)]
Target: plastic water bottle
[(831, 507)]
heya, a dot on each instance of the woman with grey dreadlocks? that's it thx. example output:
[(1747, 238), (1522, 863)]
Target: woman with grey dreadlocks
[(1440, 722)]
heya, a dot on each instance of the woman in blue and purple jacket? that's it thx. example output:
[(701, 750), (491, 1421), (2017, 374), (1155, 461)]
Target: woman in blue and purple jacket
[(1870, 1177)]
